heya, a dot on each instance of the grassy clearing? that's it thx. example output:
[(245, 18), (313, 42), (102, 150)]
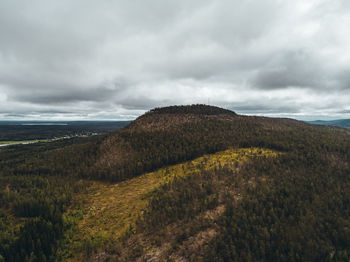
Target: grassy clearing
[(110, 210)]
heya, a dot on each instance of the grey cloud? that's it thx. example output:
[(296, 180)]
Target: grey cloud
[(344, 112), (291, 69), (15, 115), (342, 79), (120, 58), (142, 102), (263, 109), (65, 96)]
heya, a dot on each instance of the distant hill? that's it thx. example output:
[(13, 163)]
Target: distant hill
[(339, 122)]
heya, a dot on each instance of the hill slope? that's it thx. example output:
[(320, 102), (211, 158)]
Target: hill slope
[(111, 211), (310, 177)]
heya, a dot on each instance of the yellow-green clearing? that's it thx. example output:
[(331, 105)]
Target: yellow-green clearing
[(111, 209)]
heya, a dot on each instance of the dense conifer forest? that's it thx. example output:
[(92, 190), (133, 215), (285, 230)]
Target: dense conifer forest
[(292, 206)]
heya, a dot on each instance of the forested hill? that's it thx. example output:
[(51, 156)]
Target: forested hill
[(174, 134), (294, 207), (277, 190), (165, 136)]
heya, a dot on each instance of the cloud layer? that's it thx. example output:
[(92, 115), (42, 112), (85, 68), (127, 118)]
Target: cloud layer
[(115, 59)]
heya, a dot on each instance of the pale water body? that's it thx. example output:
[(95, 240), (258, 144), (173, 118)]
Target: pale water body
[(44, 124), (20, 143)]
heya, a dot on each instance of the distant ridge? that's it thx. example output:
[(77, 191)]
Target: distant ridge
[(339, 123)]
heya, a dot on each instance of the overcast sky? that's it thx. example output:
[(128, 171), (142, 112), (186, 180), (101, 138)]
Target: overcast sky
[(110, 59)]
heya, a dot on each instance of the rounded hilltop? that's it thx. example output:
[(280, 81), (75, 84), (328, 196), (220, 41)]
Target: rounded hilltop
[(175, 116), (197, 109)]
